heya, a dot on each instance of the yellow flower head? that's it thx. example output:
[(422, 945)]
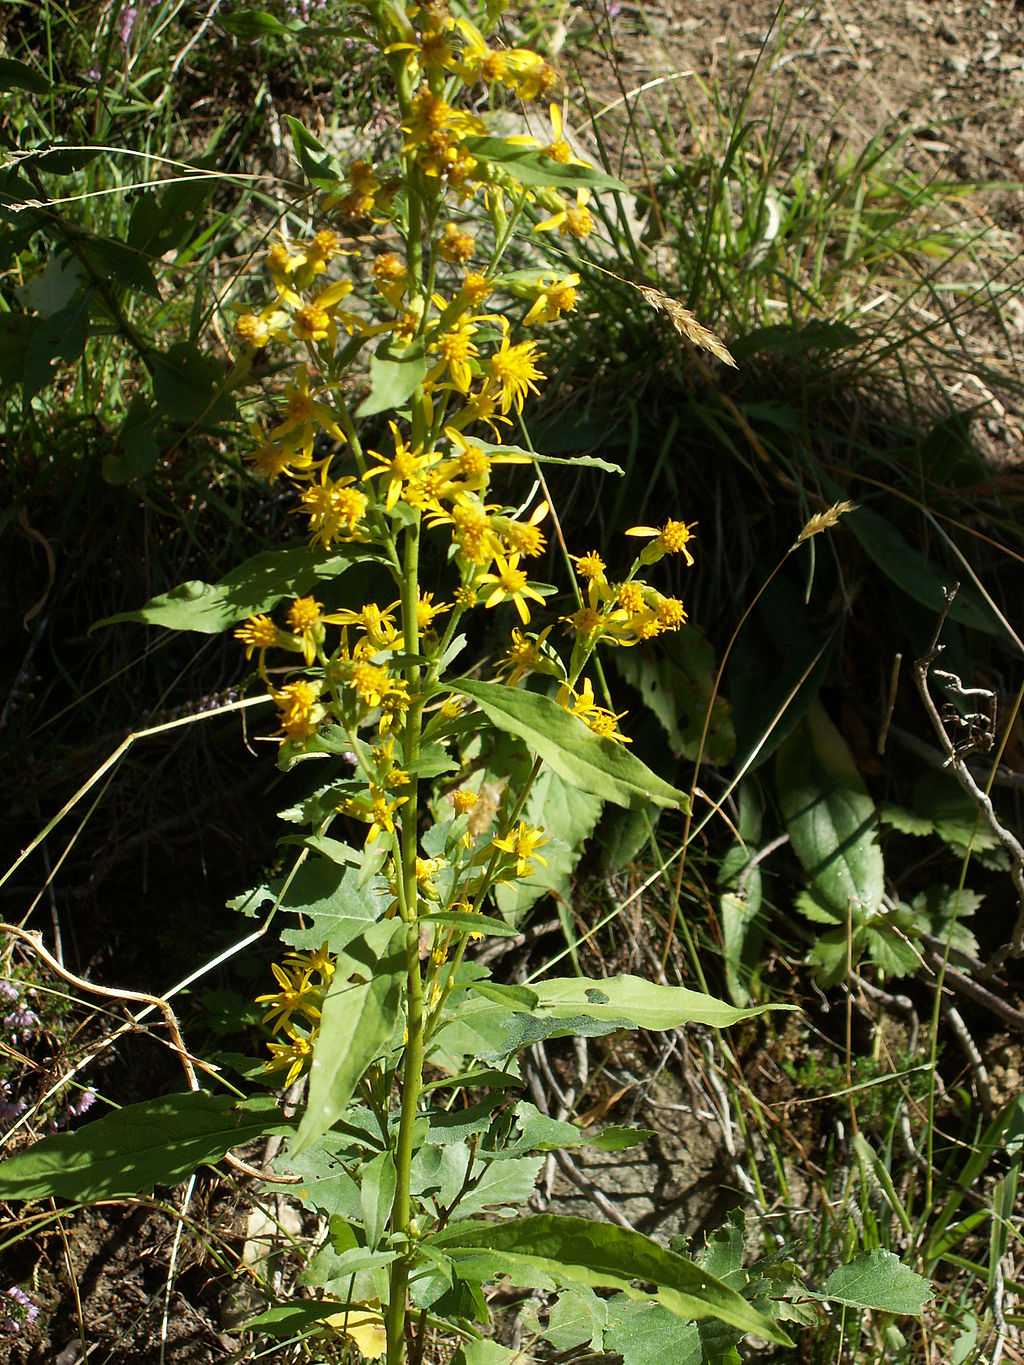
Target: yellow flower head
[(455, 246), (522, 843), (296, 996), (335, 509), (572, 220), (512, 371), (672, 539), (553, 300), (524, 536), (293, 1056), (427, 609), (260, 633), (509, 584), (463, 801), (300, 709)]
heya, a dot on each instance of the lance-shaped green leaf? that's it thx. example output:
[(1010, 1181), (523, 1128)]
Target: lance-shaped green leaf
[(160, 1142), (357, 1021), (531, 166), (829, 815), (639, 1002), (623, 1001), (574, 752), (255, 586), (528, 456), (555, 1251)]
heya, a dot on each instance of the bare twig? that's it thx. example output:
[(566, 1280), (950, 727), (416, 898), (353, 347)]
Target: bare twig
[(35, 943), (963, 1037), (998, 1293), (189, 1063), (956, 762), (596, 1196)]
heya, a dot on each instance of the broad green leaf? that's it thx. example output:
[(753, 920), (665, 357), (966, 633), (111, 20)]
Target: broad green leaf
[(905, 821), (292, 1319), (941, 910), (623, 835), (829, 815), (54, 287), (501, 1184), (815, 908), (118, 264), (378, 1181), (830, 953), (635, 1001), (676, 686), (395, 374), (879, 1280), (647, 1334), (578, 1318), (61, 336), (530, 166), (739, 907), (477, 924), (15, 75), (169, 219), (738, 915), (566, 745), (358, 1019), (138, 443), (315, 160), (554, 1250), (483, 1351), (189, 386), (326, 1184), (890, 950), (160, 1142), (16, 333), (528, 456), (255, 586), (617, 1139), (958, 822), (252, 24), (723, 1250), (325, 895), (913, 574)]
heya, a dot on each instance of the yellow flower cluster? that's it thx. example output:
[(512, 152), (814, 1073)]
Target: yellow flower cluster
[(295, 1008), (420, 243)]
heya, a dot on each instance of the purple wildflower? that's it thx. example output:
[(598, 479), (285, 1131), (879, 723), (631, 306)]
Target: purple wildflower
[(15, 1309), (10, 1110), (129, 16), (22, 1018), (8, 990)]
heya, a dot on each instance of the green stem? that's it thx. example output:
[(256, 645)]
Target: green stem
[(412, 1081)]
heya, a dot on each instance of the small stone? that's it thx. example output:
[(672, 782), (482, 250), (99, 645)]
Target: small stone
[(958, 64)]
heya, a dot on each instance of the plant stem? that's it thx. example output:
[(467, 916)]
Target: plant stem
[(412, 1081)]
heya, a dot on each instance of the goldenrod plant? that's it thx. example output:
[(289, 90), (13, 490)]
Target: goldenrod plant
[(409, 342)]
